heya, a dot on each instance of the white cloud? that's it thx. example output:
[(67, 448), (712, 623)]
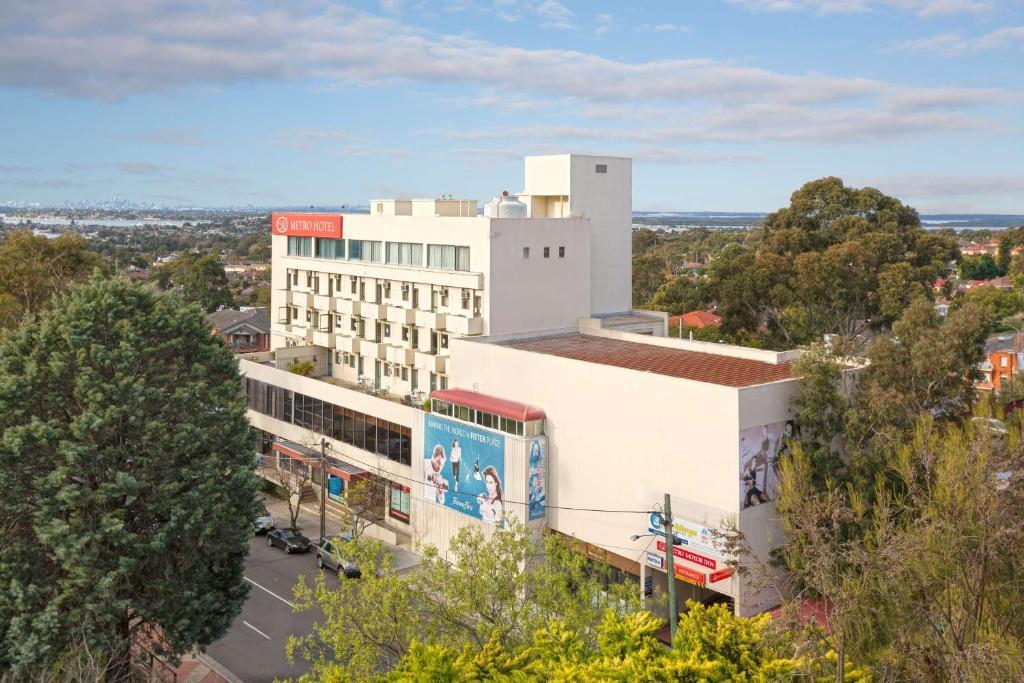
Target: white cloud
[(948, 193), (88, 48), (924, 8), (957, 43)]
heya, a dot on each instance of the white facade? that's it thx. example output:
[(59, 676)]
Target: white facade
[(389, 310), (621, 438)]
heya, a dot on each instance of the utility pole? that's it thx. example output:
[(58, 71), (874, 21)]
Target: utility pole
[(670, 567), (323, 488)]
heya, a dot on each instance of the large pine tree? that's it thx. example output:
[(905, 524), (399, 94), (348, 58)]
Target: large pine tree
[(126, 480)]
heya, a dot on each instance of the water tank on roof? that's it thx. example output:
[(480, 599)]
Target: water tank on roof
[(504, 206)]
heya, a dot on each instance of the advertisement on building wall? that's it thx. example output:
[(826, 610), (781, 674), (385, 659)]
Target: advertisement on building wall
[(464, 468), (691, 536), (306, 224), (538, 475), (760, 448)]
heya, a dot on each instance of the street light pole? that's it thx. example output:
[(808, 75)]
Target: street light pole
[(670, 567), (323, 488)]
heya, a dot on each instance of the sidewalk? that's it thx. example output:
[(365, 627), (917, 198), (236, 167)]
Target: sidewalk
[(309, 523)]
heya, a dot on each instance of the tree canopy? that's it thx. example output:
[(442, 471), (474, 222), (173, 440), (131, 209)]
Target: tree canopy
[(498, 591), (33, 269), (711, 644), (838, 260), (127, 465)]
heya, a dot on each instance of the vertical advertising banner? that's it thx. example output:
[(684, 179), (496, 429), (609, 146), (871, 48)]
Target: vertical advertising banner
[(537, 484), (464, 468), (760, 448)]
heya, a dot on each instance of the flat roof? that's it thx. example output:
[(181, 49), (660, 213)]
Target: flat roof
[(693, 365)]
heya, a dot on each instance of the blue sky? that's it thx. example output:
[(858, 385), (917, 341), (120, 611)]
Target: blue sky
[(723, 104)]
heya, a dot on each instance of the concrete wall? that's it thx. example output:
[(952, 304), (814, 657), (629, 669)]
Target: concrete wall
[(537, 293), (606, 199)]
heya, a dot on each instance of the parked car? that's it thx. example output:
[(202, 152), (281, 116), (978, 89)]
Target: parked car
[(262, 523), (326, 557), (288, 540)]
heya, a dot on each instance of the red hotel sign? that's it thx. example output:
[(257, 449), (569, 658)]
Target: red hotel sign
[(689, 556), (306, 224)]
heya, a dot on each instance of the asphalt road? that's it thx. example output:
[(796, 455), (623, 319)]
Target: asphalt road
[(254, 648)]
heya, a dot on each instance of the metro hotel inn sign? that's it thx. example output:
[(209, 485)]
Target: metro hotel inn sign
[(306, 224)]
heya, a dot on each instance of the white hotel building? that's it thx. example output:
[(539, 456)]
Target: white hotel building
[(549, 396)]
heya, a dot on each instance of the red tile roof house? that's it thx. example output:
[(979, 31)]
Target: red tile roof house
[(696, 319), (244, 331)]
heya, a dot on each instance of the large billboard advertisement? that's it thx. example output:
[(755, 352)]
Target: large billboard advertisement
[(537, 484), (760, 448), (306, 224), (464, 468)]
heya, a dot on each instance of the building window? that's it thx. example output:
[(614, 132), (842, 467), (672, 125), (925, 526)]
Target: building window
[(547, 252), (405, 291), (441, 256), (467, 297), (387, 289), (561, 252), (447, 257), (601, 168), (354, 282), (399, 505), (444, 341), (330, 248), (365, 250), (300, 246), (405, 373), (526, 252), (405, 333), (405, 254)]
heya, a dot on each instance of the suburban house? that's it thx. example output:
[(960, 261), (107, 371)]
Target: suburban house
[(247, 330)]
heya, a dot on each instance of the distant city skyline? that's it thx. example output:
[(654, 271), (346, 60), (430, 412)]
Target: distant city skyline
[(723, 104)]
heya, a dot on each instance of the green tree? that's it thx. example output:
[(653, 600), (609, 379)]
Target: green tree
[(901, 594), (999, 303), (679, 295), (33, 269), (838, 260), (981, 267), (131, 469), (501, 590), (1004, 255), (649, 273), (206, 283), (712, 644)]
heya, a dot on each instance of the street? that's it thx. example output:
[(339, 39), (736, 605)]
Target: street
[(254, 648)]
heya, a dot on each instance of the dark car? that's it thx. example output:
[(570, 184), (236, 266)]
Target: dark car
[(288, 540), (326, 556)]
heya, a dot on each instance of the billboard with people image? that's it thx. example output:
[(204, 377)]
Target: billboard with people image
[(760, 448), (464, 468)]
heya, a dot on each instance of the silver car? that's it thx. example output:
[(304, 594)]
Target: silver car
[(327, 557)]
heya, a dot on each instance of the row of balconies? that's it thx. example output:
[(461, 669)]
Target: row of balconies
[(449, 322), (400, 355), (369, 309)]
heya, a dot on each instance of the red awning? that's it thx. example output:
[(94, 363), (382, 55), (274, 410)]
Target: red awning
[(489, 404)]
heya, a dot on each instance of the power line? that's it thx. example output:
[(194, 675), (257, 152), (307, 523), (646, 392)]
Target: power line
[(511, 502)]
